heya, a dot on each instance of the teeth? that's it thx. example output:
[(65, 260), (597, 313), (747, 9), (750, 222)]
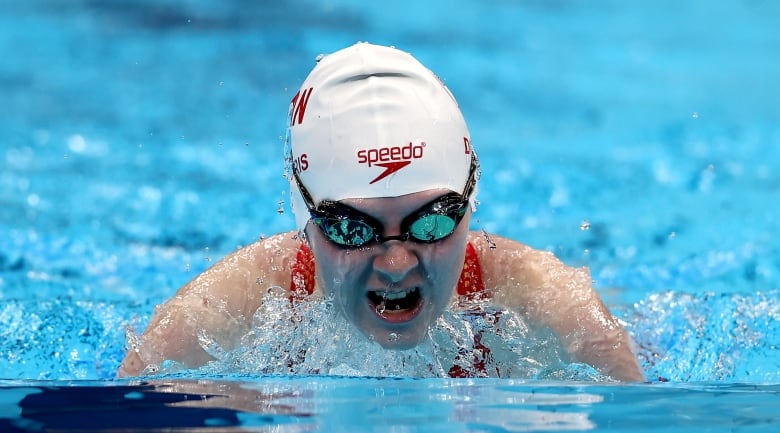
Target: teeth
[(396, 295)]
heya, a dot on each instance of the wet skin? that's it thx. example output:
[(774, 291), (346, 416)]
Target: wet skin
[(393, 291)]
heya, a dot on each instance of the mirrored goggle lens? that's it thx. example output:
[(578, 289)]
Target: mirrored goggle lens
[(432, 227), (354, 233), (345, 232)]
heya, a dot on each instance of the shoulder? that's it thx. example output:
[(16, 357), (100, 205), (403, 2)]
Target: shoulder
[(270, 258), (510, 265), (497, 253), (243, 275), (275, 250), (266, 256)]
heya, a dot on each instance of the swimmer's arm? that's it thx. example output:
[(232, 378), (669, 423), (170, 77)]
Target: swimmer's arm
[(219, 302), (562, 298)]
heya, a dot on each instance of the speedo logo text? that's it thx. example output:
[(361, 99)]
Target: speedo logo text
[(391, 158)]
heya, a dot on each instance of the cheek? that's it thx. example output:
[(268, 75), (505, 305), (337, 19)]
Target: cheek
[(336, 268), (456, 244), (445, 263)]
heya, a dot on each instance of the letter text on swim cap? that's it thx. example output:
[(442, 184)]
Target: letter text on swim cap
[(301, 163), (467, 145), (298, 105)]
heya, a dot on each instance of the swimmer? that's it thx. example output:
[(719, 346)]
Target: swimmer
[(383, 181)]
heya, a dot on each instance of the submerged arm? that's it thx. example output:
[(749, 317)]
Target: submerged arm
[(560, 297), (217, 304)]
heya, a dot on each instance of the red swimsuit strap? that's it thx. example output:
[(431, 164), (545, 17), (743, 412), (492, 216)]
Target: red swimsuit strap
[(302, 273), (470, 281)]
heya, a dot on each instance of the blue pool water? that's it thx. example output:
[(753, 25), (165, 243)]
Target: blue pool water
[(141, 141)]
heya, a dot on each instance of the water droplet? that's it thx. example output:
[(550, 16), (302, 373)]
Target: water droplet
[(133, 340), (77, 143), (275, 291), (585, 225), (695, 115), (491, 244), (33, 200)]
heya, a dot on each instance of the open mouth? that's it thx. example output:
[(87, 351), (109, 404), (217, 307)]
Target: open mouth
[(396, 307)]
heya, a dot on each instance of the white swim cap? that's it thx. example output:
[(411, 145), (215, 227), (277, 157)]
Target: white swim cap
[(371, 121)]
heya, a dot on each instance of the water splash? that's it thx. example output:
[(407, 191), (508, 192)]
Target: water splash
[(703, 337), (312, 338), (60, 339)]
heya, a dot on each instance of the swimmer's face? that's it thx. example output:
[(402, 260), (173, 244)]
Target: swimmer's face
[(395, 290)]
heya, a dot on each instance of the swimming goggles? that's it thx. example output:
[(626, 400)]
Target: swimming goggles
[(350, 228)]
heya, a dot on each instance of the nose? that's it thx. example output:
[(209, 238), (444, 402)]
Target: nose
[(395, 262)]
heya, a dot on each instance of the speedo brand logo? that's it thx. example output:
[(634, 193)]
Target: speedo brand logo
[(391, 158)]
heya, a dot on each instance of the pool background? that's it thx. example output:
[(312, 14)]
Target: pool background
[(142, 141)]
